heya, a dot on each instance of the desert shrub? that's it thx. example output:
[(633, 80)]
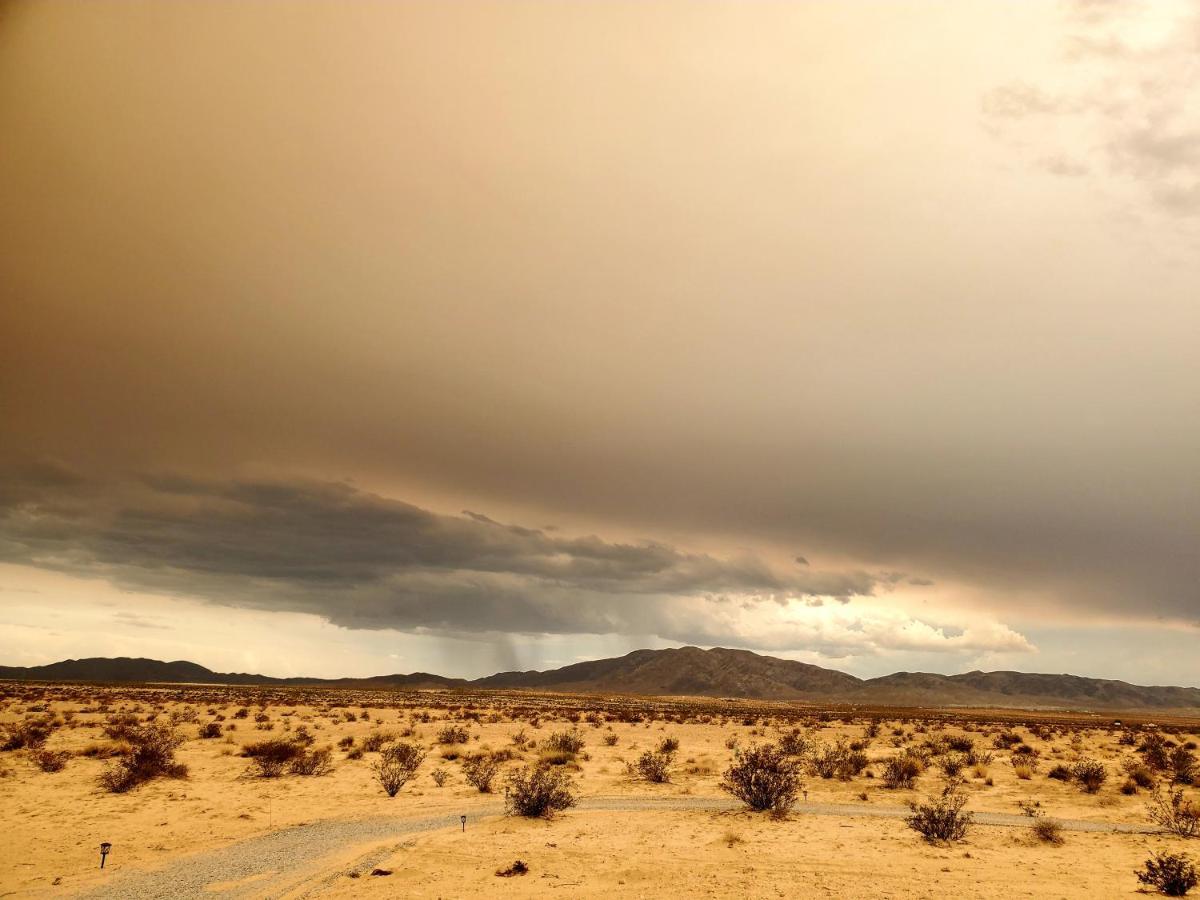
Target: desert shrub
[(439, 776), (977, 757), (312, 762), (839, 760), (1128, 787), (1025, 757), (1139, 773), (792, 743), (396, 765), (952, 764), (375, 740), (941, 818), (209, 730), (1156, 750), (764, 778), (118, 726), (961, 744), (539, 792), (901, 771), (564, 742), (50, 760), (653, 766), (1090, 775), (454, 734), (1174, 813), (668, 745), (30, 734), (1182, 766), (1048, 831), (271, 757), (1060, 773), (480, 770), (1006, 740), (610, 740), (1023, 771), (354, 753), (1169, 873), (346, 742), (151, 755)]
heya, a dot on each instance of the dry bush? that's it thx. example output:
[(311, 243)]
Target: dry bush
[(1156, 750), (764, 778), (838, 761), (209, 730), (439, 776), (610, 740), (50, 760), (564, 742), (312, 762), (1175, 813), (28, 735), (1048, 831), (480, 770), (517, 868), (376, 739), (454, 734), (1023, 771), (653, 766), (901, 771), (151, 755), (1090, 775), (1139, 773), (952, 764), (668, 745), (1169, 873), (1182, 766), (941, 818), (118, 726), (270, 758), (539, 792), (792, 743), (1060, 773), (1006, 740), (396, 765)]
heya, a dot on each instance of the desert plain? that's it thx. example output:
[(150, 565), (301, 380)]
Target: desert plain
[(223, 824)]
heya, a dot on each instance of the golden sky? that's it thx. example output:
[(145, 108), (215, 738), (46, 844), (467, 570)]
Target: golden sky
[(667, 294)]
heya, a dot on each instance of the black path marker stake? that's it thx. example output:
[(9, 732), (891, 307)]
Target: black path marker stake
[(464, 822), (104, 848), (806, 796)]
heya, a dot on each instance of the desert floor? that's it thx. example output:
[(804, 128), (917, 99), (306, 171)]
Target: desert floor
[(223, 831)]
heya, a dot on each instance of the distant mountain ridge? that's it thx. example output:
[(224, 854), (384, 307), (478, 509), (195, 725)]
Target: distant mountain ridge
[(690, 671)]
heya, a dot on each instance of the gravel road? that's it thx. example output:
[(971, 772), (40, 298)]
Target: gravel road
[(276, 863)]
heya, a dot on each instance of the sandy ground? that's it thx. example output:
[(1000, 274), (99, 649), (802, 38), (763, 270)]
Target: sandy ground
[(57, 820)]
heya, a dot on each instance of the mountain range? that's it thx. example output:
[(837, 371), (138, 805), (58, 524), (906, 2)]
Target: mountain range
[(690, 671)]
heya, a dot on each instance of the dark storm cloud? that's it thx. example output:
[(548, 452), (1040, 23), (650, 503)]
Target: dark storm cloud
[(364, 561)]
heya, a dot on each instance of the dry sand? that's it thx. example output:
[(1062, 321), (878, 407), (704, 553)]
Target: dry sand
[(221, 830)]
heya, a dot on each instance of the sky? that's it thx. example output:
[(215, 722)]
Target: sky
[(350, 338)]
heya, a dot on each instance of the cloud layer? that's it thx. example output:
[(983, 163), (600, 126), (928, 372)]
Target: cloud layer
[(757, 280), (363, 561)]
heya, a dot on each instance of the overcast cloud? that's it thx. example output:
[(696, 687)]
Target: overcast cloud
[(852, 328)]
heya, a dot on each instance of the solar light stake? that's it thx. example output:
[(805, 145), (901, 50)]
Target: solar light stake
[(464, 822), (104, 848)]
